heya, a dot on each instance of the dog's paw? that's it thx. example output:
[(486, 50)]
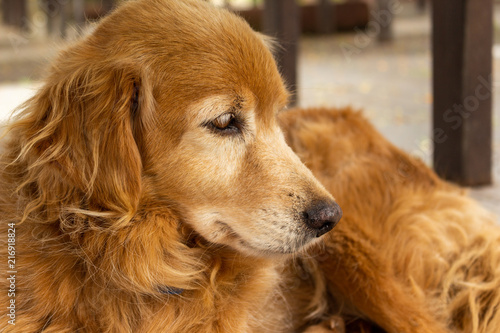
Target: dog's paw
[(334, 324)]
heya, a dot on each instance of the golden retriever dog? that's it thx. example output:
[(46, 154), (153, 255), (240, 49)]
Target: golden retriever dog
[(407, 238), (148, 187)]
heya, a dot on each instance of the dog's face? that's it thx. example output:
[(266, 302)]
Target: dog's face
[(202, 91), (238, 183), (229, 169)]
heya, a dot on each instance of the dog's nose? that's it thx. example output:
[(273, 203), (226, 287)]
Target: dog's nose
[(323, 216)]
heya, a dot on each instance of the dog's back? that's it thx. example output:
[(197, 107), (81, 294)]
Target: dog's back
[(424, 233)]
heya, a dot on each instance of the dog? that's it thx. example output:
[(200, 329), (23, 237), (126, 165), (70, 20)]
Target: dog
[(148, 187), (410, 245)]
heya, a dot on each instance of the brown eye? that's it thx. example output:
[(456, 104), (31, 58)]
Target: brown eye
[(224, 121), (225, 124)]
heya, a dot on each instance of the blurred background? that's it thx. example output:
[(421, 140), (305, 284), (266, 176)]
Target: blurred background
[(340, 60)]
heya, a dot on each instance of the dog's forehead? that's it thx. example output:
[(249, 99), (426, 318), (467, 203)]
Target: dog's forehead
[(197, 50)]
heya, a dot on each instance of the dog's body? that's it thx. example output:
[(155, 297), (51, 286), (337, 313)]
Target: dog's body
[(406, 235), (147, 187)]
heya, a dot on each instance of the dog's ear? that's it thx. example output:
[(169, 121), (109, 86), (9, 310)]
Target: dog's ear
[(81, 135)]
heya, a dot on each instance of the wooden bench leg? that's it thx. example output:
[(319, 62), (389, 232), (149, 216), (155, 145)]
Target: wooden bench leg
[(462, 67), (281, 20)]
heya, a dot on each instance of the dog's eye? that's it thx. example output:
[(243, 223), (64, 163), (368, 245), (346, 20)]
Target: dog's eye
[(224, 121)]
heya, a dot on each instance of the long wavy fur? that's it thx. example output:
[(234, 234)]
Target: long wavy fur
[(403, 228), (71, 178), (98, 249)]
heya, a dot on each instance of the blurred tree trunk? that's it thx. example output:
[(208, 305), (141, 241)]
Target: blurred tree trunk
[(14, 12)]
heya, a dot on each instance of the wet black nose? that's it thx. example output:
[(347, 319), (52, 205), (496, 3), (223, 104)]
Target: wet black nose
[(323, 216)]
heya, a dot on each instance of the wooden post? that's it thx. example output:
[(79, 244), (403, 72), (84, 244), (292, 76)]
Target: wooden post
[(324, 17), (79, 12), (52, 8), (107, 6), (63, 19), (462, 68), (281, 20), (14, 13), (384, 17), (421, 4)]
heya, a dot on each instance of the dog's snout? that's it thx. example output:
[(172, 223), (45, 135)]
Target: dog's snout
[(323, 216)]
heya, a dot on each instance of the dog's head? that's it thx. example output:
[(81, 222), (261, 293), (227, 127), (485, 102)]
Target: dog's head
[(172, 105)]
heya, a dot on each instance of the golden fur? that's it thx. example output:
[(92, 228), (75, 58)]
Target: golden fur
[(135, 212), (136, 207), (411, 249)]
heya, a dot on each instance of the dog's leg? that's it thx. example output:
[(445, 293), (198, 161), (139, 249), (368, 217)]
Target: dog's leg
[(358, 276)]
